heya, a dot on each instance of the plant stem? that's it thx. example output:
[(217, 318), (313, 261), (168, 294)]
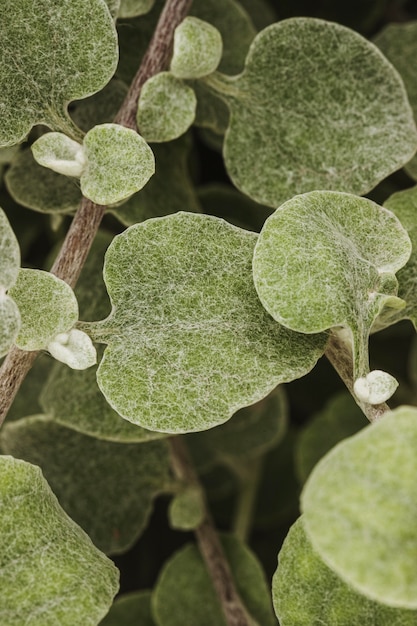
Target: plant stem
[(209, 544), (340, 356), (80, 236), (249, 483)]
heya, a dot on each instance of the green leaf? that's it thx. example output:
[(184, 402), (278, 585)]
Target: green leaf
[(326, 259), (9, 254), (44, 556), (26, 401), (47, 307), (100, 108), (340, 418), (184, 593), (166, 108), (189, 342), (307, 116), (132, 8), (359, 509), (59, 153), (119, 162), (47, 60), (131, 609), (168, 191), (306, 592), (10, 323), (197, 50), (186, 510), (39, 188), (73, 399), (107, 488), (398, 43)]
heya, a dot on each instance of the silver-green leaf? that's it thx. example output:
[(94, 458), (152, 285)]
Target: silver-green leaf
[(197, 50)]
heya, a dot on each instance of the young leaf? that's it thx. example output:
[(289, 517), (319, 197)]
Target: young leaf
[(186, 509), (326, 259), (107, 488), (197, 50), (166, 108), (47, 60), (132, 8), (306, 592), (74, 348), (44, 555), (47, 307), (9, 254), (119, 162), (184, 593), (10, 323), (307, 116), (359, 509), (132, 609), (189, 342)]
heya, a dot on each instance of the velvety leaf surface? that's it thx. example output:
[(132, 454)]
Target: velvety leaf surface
[(188, 341), (100, 108), (10, 322), (9, 254), (306, 592), (44, 556), (317, 107), (327, 259), (184, 593), (168, 191), (47, 60), (359, 507), (107, 488), (39, 188), (166, 108), (47, 307), (197, 49), (59, 153), (113, 6), (130, 609), (399, 44), (186, 510), (119, 162), (132, 8), (340, 418)]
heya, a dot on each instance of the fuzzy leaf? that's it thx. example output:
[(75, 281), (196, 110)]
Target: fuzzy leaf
[(119, 162), (100, 108), (188, 340), (184, 593), (47, 60), (359, 509), (59, 153), (166, 108), (47, 307), (317, 107), (131, 609), (10, 323), (132, 8), (9, 254), (74, 348), (307, 593), (107, 488), (40, 189), (44, 555), (186, 509), (327, 259), (197, 50)]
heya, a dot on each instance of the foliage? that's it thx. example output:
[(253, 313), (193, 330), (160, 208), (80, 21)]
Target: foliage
[(257, 254)]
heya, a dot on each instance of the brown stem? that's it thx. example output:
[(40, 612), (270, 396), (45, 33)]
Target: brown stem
[(80, 236), (209, 544), (340, 356)]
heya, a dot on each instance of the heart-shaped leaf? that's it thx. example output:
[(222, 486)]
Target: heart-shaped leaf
[(305, 591), (306, 116), (326, 259), (44, 555), (189, 342), (359, 509), (47, 60)]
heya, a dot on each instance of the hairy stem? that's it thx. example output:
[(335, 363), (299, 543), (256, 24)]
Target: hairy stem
[(340, 356), (209, 544), (80, 236)]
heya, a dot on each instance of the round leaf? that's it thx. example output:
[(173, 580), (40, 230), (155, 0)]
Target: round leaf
[(131, 609), (47, 307), (306, 116), (47, 60), (166, 108), (189, 342), (305, 591), (9, 323), (119, 162), (359, 506), (198, 49), (9, 254), (132, 8), (44, 555), (59, 153)]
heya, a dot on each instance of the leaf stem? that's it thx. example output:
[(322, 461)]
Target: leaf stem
[(249, 483), (80, 236), (339, 354), (209, 544)]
